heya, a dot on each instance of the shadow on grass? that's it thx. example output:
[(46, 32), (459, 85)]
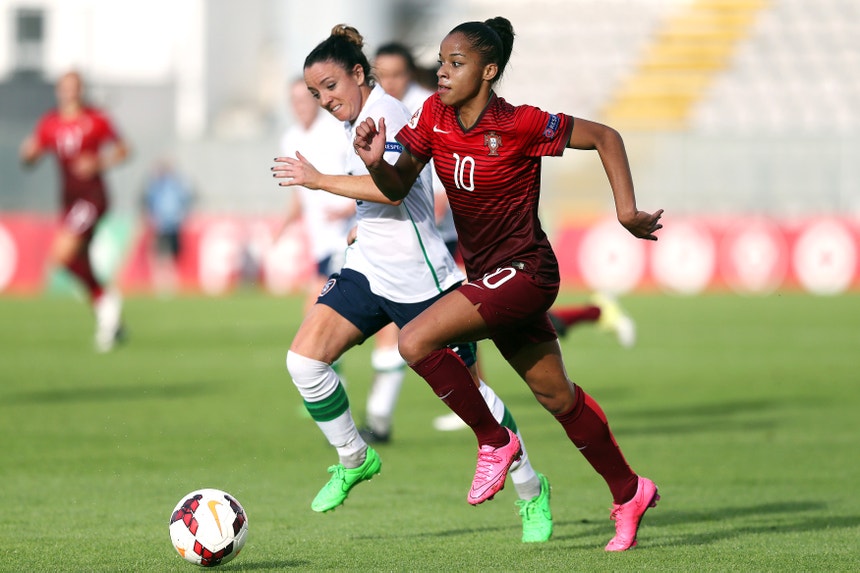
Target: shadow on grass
[(667, 528), (708, 409), (265, 565), (732, 523), (111, 393), (706, 417)]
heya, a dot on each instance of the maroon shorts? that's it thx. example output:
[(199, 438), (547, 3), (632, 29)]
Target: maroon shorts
[(514, 306), (80, 217)]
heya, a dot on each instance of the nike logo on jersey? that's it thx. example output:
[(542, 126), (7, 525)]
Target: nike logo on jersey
[(437, 130)]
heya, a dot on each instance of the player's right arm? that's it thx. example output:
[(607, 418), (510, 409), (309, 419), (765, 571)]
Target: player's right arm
[(394, 181), (31, 151)]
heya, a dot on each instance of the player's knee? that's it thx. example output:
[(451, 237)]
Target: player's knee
[(65, 249), (314, 379), (557, 398), (303, 370), (411, 345)]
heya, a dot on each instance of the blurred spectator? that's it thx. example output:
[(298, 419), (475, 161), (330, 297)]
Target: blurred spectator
[(167, 202), (86, 144)]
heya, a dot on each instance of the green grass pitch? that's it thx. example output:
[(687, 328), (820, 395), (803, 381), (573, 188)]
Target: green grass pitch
[(744, 410)]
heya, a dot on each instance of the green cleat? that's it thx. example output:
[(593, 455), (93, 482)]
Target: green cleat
[(537, 517), (342, 480)]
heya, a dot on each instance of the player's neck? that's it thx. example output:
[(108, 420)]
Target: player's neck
[(71, 109), (470, 113)]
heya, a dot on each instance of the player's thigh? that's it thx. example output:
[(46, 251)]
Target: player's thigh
[(76, 230), (452, 318), (66, 246), (325, 335), (542, 367), (387, 336)]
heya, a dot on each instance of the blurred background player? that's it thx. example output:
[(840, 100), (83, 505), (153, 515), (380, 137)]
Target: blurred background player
[(167, 201), (86, 145), (327, 218), (396, 71)]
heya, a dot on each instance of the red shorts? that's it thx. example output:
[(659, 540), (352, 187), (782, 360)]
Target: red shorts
[(80, 218), (514, 306)]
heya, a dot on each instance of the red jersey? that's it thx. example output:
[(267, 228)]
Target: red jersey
[(491, 174), (71, 138)]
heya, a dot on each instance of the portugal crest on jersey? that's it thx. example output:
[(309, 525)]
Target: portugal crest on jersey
[(493, 141)]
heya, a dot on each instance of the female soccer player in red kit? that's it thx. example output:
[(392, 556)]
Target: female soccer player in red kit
[(488, 154), (76, 133)]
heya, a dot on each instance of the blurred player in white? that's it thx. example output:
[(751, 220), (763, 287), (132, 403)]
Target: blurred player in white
[(86, 145), (327, 218), (395, 70)]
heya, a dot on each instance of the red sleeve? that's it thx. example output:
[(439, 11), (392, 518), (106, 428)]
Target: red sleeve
[(415, 135), (547, 134), (45, 133), (107, 132)]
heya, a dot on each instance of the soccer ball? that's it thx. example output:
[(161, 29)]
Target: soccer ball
[(208, 527)]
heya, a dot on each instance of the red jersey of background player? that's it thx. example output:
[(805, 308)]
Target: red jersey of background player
[(491, 174), (70, 139)]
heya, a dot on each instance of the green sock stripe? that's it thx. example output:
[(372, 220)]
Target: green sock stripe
[(330, 408), (508, 421)]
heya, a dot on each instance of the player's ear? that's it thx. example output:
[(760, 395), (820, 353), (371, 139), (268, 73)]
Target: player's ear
[(358, 73), (490, 71)]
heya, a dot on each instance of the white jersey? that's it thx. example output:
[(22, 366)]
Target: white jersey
[(398, 247), (414, 99), (322, 212)]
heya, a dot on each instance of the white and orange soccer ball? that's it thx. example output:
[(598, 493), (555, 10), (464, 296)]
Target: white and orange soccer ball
[(208, 527)]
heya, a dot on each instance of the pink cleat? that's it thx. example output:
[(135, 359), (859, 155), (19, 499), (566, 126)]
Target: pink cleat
[(493, 465), (628, 515)]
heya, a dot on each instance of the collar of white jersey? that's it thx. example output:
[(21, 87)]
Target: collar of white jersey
[(375, 94)]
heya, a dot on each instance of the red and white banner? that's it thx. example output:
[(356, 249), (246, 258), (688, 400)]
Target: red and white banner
[(746, 254)]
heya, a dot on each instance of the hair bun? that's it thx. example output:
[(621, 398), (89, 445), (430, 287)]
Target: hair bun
[(348, 33)]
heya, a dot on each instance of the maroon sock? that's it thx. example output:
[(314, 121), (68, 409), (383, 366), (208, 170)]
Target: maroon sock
[(80, 267), (451, 380), (572, 315), (587, 428)]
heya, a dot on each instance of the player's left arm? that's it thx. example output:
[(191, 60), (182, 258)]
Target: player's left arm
[(589, 135), (116, 153)]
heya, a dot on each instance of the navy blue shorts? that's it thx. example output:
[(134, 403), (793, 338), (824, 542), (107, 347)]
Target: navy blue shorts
[(348, 293), (326, 265)]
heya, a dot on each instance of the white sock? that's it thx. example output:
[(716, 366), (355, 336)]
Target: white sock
[(522, 473), (343, 435), (316, 381), (389, 372)]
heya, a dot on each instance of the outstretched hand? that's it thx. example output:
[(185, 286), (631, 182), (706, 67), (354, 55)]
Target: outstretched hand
[(296, 171), (643, 225), (369, 142)]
